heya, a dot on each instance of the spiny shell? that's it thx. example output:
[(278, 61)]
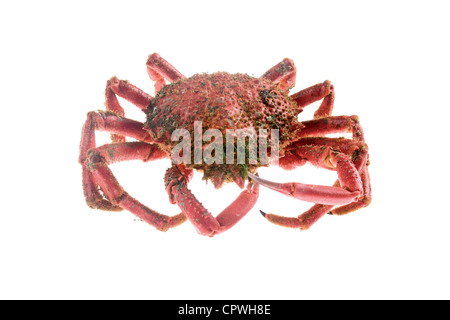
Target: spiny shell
[(222, 101)]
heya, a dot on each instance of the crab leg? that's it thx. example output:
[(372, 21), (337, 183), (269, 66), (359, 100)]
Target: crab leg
[(324, 157), (127, 91), (357, 150), (238, 208), (364, 202), (309, 192), (97, 162), (315, 93), (159, 69), (317, 211), (97, 176), (93, 159), (206, 224), (303, 221), (131, 93), (283, 73), (335, 124), (108, 121), (104, 121)]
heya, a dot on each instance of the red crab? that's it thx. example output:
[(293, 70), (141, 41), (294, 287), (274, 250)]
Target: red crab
[(225, 101)]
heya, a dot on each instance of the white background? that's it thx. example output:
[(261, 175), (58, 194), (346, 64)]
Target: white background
[(389, 63)]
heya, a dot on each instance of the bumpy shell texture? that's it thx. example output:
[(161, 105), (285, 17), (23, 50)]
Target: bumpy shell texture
[(222, 101)]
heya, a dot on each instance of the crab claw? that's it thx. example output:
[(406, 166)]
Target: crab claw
[(310, 193)]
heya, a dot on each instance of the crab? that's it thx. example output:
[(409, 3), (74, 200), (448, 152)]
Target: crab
[(225, 101)]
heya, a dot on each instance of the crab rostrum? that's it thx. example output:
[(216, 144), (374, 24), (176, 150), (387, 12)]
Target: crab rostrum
[(225, 102)]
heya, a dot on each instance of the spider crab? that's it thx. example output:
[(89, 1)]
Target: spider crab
[(225, 101)]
